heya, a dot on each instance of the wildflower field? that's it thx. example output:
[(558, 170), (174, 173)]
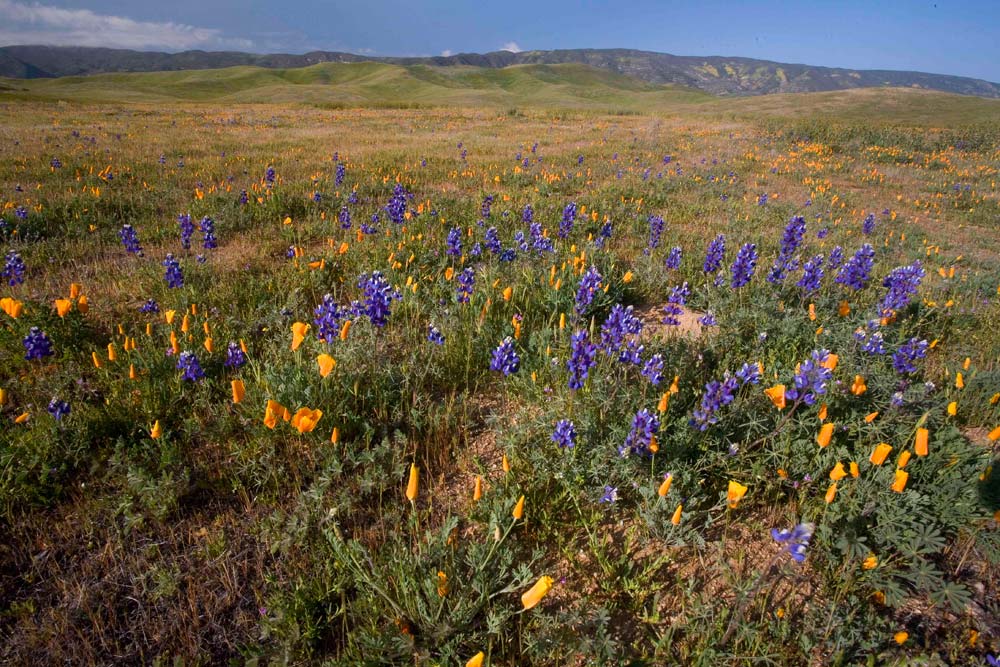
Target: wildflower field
[(293, 385)]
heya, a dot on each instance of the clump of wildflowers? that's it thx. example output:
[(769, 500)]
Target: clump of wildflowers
[(645, 426), (908, 352), (58, 409), (656, 225), (714, 254), (589, 284), (857, 271), (466, 281), (678, 298), (812, 275), (811, 379), (187, 229), (235, 356), (743, 268), (344, 217), (187, 362), (150, 306), (173, 274), (505, 359), (673, 260), (796, 540), (13, 268), (565, 434), (434, 335), (379, 296), (583, 357), (621, 322), (868, 226), (36, 344), (566, 224), (902, 283), (396, 208), (207, 228), (454, 242), (795, 231), (130, 239)]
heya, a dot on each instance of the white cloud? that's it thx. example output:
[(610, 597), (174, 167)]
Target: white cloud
[(509, 46), (447, 52), (22, 23)]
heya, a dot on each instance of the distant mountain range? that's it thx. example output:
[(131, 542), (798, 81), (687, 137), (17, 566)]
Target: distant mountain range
[(713, 74)]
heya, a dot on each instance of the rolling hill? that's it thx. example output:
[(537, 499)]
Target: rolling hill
[(716, 75)]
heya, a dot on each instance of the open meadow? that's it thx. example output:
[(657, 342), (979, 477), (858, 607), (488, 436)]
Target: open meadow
[(657, 378)]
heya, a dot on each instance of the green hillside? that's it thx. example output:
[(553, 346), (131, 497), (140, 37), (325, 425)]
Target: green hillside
[(366, 84)]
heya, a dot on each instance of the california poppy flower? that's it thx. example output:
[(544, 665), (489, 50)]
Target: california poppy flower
[(326, 364), (900, 481), (299, 330), (676, 518), (518, 509), (63, 306), (777, 395), (665, 486), (825, 433), (858, 387), (156, 431), (534, 595), (831, 493), (413, 485), (735, 493), (879, 454), (920, 444), (476, 660), (239, 391), (477, 489), (838, 473)]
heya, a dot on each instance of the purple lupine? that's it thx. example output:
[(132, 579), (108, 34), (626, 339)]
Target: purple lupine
[(621, 322), (868, 226), (379, 296), (836, 258), (717, 395), (902, 283), (207, 228), (714, 254), (270, 175), (583, 357), (566, 224), (484, 208), (708, 320), (652, 370), (244, 198), (396, 207), (908, 352), (434, 335), (811, 379), (743, 268), (791, 240), (13, 268), (645, 426), (149, 307), (856, 272), (812, 275), (466, 281), (235, 356), (173, 274), (505, 359), (188, 363), (344, 217), (539, 241), (454, 242), (36, 345), (341, 172), (589, 284), (656, 226), (873, 344), (673, 260), (492, 241), (187, 229), (749, 373), (528, 214), (58, 409), (564, 434), (796, 540), (130, 239), (678, 298)]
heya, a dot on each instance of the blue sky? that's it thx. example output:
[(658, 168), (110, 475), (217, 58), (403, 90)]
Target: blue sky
[(944, 37)]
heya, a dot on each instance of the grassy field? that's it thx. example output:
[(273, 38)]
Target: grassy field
[(285, 458)]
